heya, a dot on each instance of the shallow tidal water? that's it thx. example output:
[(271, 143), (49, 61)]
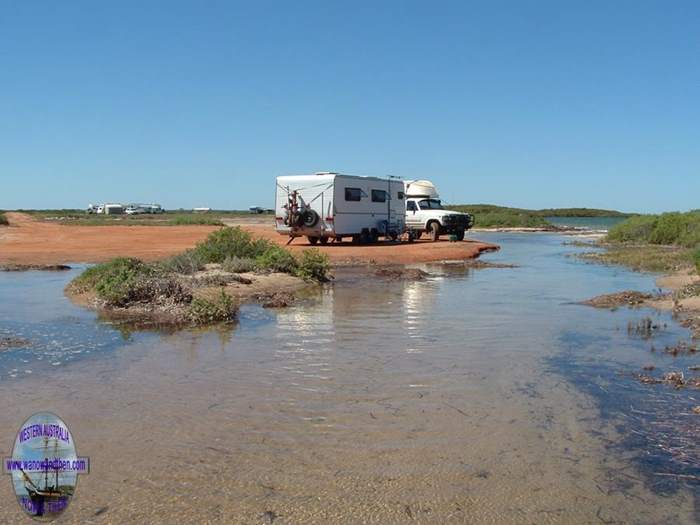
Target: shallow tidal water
[(474, 396)]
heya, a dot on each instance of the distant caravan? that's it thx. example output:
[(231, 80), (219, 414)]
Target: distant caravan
[(334, 206)]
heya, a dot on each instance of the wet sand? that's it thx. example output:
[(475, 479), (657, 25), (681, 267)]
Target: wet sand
[(30, 241)]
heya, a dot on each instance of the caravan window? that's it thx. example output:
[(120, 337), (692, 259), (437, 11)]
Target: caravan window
[(378, 196), (353, 194)]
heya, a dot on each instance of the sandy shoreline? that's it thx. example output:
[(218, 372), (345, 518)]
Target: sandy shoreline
[(30, 241)]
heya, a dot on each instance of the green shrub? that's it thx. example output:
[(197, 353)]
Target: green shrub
[(204, 311), (185, 263), (277, 259), (113, 281), (3, 220), (313, 265), (696, 259), (235, 264), (680, 229), (669, 228), (228, 242), (634, 229)]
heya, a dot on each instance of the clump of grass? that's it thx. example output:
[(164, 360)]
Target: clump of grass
[(3, 219), (313, 265), (229, 242), (185, 263), (696, 259), (277, 259), (235, 264), (205, 311), (113, 281)]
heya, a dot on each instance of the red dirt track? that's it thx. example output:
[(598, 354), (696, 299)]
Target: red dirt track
[(31, 241)]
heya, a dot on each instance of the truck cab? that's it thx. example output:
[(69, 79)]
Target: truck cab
[(426, 214)]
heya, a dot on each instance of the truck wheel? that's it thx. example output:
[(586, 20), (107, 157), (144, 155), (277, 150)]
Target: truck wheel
[(313, 240), (434, 231), (338, 239), (323, 240), (393, 235), (460, 235)]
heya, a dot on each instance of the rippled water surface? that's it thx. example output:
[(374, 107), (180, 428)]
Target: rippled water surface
[(474, 396)]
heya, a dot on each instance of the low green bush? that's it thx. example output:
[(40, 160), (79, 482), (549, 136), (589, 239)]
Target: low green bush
[(113, 281), (205, 311), (313, 265), (229, 242), (680, 229), (277, 259), (3, 220), (696, 259), (186, 263), (634, 229), (235, 264)]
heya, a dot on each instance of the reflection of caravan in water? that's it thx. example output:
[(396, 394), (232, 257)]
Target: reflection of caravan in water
[(334, 206)]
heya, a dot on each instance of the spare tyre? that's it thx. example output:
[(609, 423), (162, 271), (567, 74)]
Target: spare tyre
[(309, 218)]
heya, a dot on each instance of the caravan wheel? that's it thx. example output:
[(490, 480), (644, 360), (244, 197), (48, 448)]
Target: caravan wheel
[(323, 240), (313, 240)]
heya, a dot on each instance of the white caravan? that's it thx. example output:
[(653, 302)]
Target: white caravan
[(335, 206)]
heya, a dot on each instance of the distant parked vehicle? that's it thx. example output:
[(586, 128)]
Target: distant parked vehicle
[(256, 209), (153, 208), (135, 209), (100, 209), (201, 210), (113, 209), (425, 213), (334, 206)]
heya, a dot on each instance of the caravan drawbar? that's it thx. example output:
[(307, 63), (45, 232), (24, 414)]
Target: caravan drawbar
[(335, 206)]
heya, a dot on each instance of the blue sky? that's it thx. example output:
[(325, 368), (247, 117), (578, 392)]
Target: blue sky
[(523, 103)]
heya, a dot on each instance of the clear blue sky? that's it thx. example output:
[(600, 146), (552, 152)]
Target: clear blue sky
[(523, 103)]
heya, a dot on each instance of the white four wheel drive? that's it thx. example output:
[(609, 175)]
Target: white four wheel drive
[(425, 213)]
